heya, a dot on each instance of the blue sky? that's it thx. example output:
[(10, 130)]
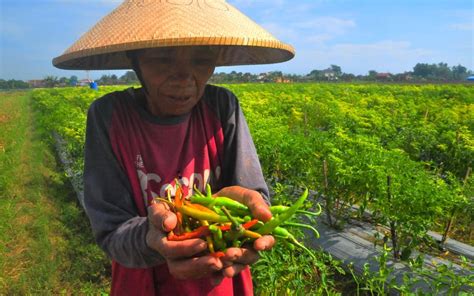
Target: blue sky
[(358, 36)]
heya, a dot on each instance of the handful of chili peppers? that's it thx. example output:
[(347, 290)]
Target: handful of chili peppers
[(224, 222)]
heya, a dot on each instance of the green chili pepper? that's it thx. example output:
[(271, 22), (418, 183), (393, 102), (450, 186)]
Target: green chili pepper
[(221, 201), (219, 243), (269, 226), (316, 233), (279, 209), (282, 232), (236, 230)]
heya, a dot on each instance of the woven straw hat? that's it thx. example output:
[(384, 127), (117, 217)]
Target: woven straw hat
[(139, 24)]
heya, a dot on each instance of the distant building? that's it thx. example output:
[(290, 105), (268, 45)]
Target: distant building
[(83, 82), (329, 74), (282, 80), (383, 75), (36, 83)]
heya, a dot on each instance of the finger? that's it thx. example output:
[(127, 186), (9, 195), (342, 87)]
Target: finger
[(251, 198), (194, 268), (233, 270), (257, 205), (241, 256), (264, 243), (160, 215), (181, 249)]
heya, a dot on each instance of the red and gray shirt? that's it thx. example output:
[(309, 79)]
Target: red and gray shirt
[(132, 156)]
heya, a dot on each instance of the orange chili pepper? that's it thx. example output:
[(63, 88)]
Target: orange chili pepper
[(218, 254), (199, 207)]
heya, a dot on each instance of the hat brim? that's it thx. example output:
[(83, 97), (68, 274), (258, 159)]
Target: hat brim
[(110, 59)]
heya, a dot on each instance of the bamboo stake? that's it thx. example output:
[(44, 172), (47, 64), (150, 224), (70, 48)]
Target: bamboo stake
[(393, 232), (326, 193)]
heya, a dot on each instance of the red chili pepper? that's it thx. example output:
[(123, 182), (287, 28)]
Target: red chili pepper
[(218, 254), (197, 233), (246, 225)]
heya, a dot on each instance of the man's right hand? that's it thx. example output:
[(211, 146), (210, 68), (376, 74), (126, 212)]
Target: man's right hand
[(182, 257)]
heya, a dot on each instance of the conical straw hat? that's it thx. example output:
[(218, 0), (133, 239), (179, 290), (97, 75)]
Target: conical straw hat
[(139, 24)]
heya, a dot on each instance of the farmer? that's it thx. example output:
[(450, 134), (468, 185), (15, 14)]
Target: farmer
[(176, 127)]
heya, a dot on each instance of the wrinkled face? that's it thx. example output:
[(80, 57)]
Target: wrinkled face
[(175, 77)]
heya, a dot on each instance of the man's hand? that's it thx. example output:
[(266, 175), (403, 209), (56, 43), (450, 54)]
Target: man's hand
[(181, 256), (236, 259)]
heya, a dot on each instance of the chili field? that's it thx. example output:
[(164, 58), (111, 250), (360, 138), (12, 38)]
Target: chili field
[(396, 156)]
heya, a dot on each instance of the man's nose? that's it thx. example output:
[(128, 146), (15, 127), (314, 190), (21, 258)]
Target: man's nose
[(183, 71)]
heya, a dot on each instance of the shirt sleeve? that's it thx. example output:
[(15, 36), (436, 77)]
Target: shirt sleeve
[(241, 165), (116, 225)]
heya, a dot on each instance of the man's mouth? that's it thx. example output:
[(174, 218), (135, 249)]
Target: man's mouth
[(180, 98)]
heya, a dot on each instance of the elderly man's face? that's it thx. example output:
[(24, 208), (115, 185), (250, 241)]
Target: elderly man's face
[(175, 77)]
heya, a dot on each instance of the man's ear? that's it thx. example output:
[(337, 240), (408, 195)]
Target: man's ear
[(133, 56)]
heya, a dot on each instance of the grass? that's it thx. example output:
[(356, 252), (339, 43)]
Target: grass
[(46, 245)]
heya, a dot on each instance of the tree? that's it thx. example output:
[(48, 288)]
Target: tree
[(423, 70), (129, 77), (372, 75), (442, 71), (13, 84), (337, 70), (63, 81), (51, 81), (459, 72), (73, 80)]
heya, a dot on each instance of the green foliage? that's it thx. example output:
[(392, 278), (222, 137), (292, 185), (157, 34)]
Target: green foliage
[(419, 136)]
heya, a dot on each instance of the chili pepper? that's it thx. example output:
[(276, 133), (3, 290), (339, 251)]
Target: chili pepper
[(246, 225), (178, 196), (197, 233), (179, 225), (208, 191), (210, 243), (199, 207), (251, 234), (199, 215), (218, 254), (216, 232), (284, 233), (316, 233), (236, 230), (279, 209), (221, 201), (269, 226)]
